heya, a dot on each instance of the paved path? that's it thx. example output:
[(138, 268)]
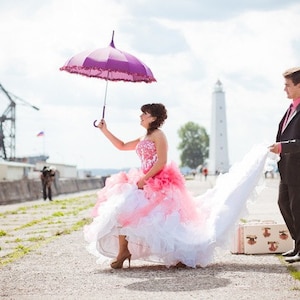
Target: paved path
[(57, 266)]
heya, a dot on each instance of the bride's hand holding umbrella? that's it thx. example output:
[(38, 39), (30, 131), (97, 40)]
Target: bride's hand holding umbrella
[(102, 125)]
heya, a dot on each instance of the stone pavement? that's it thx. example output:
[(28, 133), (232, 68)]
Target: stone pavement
[(43, 256)]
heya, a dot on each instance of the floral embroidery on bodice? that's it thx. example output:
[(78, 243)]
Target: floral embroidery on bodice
[(147, 153)]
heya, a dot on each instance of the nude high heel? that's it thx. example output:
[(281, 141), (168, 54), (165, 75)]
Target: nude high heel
[(118, 263)]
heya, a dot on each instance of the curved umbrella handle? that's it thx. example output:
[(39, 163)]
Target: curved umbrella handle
[(103, 114)]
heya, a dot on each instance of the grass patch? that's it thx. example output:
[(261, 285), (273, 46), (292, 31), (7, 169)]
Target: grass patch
[(81, 223), (291, 269), (63, 232), (3, 233), (36, 238), (29, 224), (55, 222), (20, 251), (78, 225), (294, 272), (58, 214)]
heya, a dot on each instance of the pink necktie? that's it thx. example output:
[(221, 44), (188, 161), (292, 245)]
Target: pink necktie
[(288, 114)]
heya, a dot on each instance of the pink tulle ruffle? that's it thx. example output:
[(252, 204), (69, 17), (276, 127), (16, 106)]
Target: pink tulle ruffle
[(166, 189)]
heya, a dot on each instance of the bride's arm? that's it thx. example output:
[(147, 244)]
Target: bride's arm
[(119, 144)]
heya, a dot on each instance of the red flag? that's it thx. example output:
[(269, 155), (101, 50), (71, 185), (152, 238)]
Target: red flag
[(41, 133)]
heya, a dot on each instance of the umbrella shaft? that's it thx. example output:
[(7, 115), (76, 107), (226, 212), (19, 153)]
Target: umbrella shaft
[(103, 112), (104, 104)]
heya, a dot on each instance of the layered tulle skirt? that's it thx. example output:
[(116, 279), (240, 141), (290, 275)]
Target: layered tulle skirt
[(163, 223)]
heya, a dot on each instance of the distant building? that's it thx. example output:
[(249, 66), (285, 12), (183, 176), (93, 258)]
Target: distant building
[(218, 148), (14, 170), (11, 170), (32, 159)]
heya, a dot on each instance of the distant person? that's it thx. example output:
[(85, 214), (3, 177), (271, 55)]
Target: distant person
[(47, 177), (205, 172), (288, 147), (149, 214)]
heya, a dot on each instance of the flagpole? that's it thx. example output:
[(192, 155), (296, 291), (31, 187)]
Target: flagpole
[(44, 143)]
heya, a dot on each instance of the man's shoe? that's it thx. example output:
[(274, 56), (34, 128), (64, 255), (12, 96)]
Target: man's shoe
[(290, 253), (293, 259)]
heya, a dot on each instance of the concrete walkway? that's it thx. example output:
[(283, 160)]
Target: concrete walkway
[(57, 265)]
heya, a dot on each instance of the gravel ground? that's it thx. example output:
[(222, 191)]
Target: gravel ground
[(59, 267)]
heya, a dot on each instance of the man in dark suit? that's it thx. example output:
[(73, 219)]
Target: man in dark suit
[(288, 147)]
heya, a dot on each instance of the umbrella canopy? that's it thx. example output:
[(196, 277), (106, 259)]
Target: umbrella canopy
[(111, 64)]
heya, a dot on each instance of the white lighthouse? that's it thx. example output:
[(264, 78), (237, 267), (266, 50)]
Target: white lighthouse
[(218, 148)]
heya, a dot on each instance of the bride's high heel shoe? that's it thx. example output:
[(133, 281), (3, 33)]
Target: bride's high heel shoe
[(118, 263)]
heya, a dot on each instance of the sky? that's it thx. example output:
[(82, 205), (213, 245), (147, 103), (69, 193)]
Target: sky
[(188, 44)]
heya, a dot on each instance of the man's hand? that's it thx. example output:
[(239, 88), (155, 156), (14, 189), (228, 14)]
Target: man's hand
[(275, 148)]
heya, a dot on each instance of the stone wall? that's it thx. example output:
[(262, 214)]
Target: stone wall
[(27, 190)]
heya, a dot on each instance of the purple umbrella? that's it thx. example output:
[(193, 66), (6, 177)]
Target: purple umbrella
[(110, 64)]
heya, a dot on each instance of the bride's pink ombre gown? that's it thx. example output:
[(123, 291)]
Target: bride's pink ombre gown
[(163, 222)]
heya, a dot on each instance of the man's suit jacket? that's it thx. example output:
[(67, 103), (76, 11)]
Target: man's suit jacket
[(289, 163)]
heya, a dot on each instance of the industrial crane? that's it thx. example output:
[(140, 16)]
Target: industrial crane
[(8, 126)]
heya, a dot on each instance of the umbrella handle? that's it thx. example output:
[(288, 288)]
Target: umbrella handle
[(103, 114)]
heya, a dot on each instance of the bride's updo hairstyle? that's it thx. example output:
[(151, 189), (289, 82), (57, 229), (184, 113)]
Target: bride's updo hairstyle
[(158, 111)]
